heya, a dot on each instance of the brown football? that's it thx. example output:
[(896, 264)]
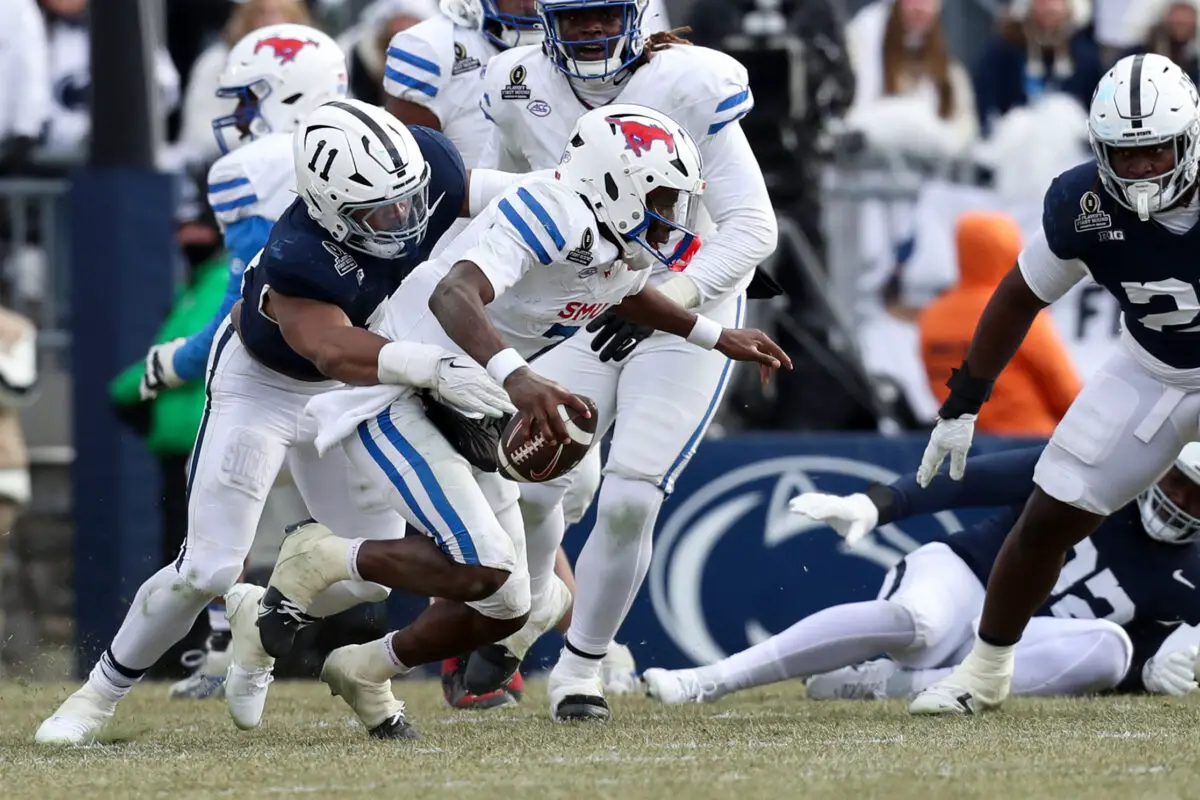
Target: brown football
[(535, 460)]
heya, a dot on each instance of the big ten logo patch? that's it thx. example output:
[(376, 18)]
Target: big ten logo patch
[(516, 88), (583, 312), (462, 61), (246, 464), (1091, 218)]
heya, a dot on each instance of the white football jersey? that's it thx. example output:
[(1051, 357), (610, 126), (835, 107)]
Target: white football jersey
[(551, 270), (534, 107), (256, 180), (439, 65)]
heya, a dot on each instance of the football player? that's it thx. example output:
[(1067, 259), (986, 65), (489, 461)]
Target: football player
[(1110, 622), (276, 75), (1129, 220), (499, 293), (374, 195), (595, 53)]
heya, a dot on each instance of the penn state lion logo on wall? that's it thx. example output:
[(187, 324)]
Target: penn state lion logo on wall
[(755, 497)]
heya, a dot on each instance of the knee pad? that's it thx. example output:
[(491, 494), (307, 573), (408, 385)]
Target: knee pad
[(538, 501), (627, 507), (209, 573), (1115, 651), (509, 602), (929, 626)]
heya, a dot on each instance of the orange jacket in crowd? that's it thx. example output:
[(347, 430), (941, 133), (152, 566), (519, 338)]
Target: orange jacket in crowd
[(1033, 392)]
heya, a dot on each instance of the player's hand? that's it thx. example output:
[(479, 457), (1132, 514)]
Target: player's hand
[(1172, 673), (539, 400), (615, 336), (160, 372), (751, 344), (950, 437), (465, 385), (853, 516)]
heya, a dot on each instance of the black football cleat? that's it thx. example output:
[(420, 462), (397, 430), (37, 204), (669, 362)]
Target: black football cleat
[(456, 695), (582, 708), (279, 620), (395, 727), (489, 668)]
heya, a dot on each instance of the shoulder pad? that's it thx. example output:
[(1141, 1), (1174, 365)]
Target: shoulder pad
[(256, 180), (420, 61), (548, 217), (1075, 203), (712, 88)]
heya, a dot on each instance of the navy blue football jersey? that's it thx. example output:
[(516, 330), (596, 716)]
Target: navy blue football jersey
[(301, 259), (1118, 573), (1153, 273)]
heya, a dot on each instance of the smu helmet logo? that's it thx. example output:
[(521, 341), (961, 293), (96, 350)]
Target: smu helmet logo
[(285, 49), (695, 551), (640, 137)]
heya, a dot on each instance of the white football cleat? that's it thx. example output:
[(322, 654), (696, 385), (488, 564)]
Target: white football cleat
[(250, 667), (574, 699), (311, 559), (963, 692), (208, 679), (78, 720), (618, 671), (677, 686), (374, 704), (866, 681)]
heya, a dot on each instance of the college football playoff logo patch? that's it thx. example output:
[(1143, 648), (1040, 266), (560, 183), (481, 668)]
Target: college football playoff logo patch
[(516, 88)]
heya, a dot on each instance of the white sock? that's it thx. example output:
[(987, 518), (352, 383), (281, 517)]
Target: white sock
[(113, 680), (382, 664), (827, 640), (162, 612), (613, 562)]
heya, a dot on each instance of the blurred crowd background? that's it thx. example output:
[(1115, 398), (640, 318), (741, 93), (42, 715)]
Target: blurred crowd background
[(907, 144)]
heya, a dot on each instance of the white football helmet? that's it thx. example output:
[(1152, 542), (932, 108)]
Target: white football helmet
[(1163, 518), (277, 74), (616, 156), (1146, 100), (501, 28), (363, 178), (593, 58)]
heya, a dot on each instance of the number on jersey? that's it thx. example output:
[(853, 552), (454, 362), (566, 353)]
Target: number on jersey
[(1090, 594)]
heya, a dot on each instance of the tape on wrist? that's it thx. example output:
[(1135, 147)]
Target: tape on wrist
[(705, 333), (503, 364)]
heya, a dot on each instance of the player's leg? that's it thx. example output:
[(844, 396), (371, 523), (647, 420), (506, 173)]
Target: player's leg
[(239, 448), (667, 394), (922, 616), (1120, 435), (435, 490)]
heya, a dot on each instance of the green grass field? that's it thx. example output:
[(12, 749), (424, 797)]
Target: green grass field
[(770, 743)]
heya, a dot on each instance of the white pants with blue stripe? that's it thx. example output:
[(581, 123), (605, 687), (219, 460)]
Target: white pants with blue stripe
[(471, 515)]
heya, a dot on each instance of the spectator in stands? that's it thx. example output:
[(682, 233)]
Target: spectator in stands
[(25, 100), (911, 94), (1167, 27), (366, 43), (201, 104), (1033, 393), (71, 78), (1042, 46), (1110, 28)]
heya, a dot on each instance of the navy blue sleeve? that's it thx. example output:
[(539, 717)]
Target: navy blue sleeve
[(302, 267), (1062, 209), (997, 479), (447, 182)]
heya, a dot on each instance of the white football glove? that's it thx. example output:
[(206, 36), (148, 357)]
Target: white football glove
[(950, 437), (160, 369), (1172, 673), (853, 516), (453, 379)]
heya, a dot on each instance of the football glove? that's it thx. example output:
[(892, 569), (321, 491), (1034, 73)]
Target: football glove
[(853, 516), (1172, 673), (464, 385), (616, 337), (950, 437), (160, 369)]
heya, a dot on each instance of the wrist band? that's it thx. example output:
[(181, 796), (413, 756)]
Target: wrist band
[(503, 364), (706, 332)]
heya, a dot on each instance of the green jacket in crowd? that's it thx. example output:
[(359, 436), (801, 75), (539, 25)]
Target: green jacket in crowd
[(175, 413)]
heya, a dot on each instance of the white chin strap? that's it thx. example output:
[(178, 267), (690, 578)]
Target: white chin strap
[(519, 38), (1142, 195)]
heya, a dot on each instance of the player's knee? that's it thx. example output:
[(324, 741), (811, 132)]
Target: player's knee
[(509, 602), (578, 498), (209, 577), (627, 504), (539, 501), (929, 626), (1113, 654)]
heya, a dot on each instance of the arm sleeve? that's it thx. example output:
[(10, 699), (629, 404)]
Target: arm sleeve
[(736, 199), (998, 479), (1048, 276), (526, 232), (413, 73), (243, 239), (1045, 357)]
